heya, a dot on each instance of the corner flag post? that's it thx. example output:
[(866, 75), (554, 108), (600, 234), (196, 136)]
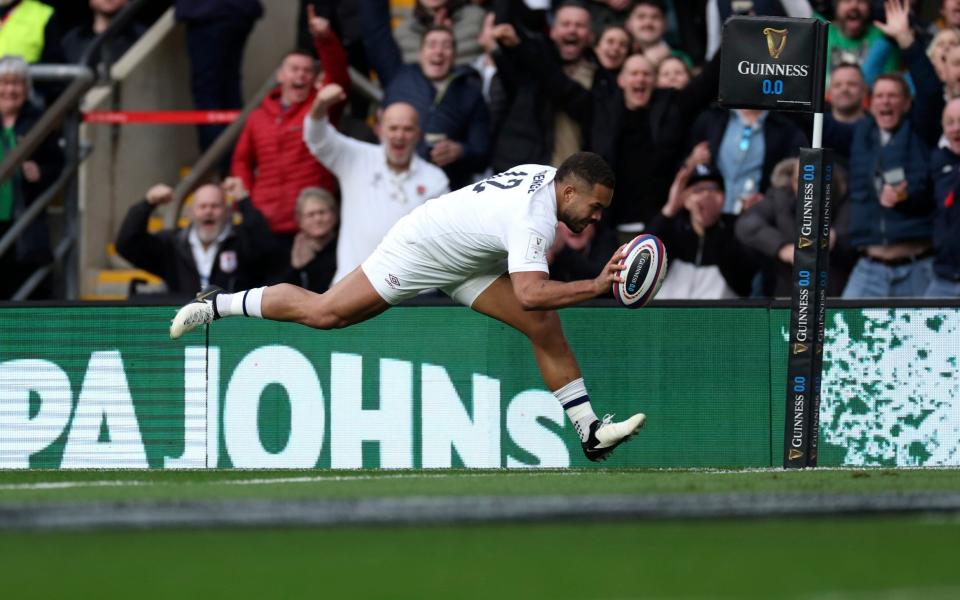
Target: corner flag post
[(774, 63)]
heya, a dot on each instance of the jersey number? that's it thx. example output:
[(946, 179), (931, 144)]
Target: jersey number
[(510, 183)]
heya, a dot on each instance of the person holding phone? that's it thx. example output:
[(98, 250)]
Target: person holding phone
[(891, 196)]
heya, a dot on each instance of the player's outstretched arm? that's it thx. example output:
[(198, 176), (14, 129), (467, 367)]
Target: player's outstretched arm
[(536, 292)]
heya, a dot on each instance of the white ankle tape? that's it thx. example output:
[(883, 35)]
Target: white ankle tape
[(247, 303)]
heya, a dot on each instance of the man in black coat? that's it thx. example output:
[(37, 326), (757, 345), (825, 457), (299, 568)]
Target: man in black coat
[(211, 250), (707, 262)]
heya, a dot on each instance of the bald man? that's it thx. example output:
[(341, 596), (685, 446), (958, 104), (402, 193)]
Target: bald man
[(210, 251), (379, 183)]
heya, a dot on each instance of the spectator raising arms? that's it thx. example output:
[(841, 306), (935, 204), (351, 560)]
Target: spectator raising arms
[(462, 17), (211, 250), (706, 259), (379, 183), (891, 205), (271, 157), (449, 100)]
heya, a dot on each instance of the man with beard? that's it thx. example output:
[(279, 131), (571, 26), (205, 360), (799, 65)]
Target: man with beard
[(851, 35), (270, 156), (210, 251), (449, 100)]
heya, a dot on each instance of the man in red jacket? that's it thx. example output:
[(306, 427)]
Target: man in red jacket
[(270, 156)]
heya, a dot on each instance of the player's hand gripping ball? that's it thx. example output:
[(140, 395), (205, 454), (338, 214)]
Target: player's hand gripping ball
[(646, 262)]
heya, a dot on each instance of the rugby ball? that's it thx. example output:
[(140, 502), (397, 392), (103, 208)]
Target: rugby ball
[(646, 262)]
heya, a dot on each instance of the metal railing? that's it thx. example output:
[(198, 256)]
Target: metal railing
[(65, 112)]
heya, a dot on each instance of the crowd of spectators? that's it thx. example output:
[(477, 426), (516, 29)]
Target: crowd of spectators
[(474, 87)]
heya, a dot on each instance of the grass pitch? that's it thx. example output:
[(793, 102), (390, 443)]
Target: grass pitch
[(805, 558)]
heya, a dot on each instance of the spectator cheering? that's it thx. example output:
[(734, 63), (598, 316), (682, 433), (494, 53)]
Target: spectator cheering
[(313, 257), (945, 280), (891, 205), (449, 101), (211, 250), (270, 156), (462, 17), (19, 191), (706, 259), (379, 183)]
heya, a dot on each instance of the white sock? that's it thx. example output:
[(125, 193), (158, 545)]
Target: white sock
[(241, 304), (575, 401)]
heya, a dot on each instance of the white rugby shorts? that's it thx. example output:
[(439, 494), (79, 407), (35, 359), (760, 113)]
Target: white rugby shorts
[(400, 270)]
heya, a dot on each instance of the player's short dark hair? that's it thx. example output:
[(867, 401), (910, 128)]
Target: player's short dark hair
[(588, 167)]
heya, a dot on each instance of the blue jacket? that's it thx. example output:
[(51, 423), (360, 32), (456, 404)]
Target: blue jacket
[(909, 149), (945, 171), (460, 113), (211, 10)]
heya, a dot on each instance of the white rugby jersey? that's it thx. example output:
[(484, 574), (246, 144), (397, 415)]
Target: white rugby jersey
[(512, 215), (374, 196)]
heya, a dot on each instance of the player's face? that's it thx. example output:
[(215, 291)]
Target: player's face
[(437, 55), (672, 74), (571, 32), (888, 104), (399, 133), (612, 48), (852, 16), (646, 25), (209, 213), (637, 80), (318, 218), (295, 76), (847, 89), (583, 205)]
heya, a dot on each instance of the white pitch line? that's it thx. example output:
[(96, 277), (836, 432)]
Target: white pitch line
[(60, 485)]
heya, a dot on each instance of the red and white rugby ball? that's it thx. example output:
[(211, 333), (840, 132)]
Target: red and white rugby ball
[(646, 262)]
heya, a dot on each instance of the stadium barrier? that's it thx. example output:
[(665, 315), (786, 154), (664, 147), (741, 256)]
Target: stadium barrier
[(439, 386)]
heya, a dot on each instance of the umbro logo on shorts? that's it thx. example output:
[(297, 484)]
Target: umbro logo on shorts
[(392, 281)]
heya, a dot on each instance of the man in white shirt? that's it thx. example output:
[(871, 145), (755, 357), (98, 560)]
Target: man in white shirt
[(485, 245), (379, 183)]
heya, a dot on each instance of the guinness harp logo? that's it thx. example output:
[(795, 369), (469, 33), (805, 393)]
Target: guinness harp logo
[(776, 41), (794, 454)]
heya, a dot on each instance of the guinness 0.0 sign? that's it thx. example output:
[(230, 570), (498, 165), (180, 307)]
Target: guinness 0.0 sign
[(773, 63)]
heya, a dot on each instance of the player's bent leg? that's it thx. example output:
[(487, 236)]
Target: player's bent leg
[(559, 369), (558, 365), (349, 301)]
